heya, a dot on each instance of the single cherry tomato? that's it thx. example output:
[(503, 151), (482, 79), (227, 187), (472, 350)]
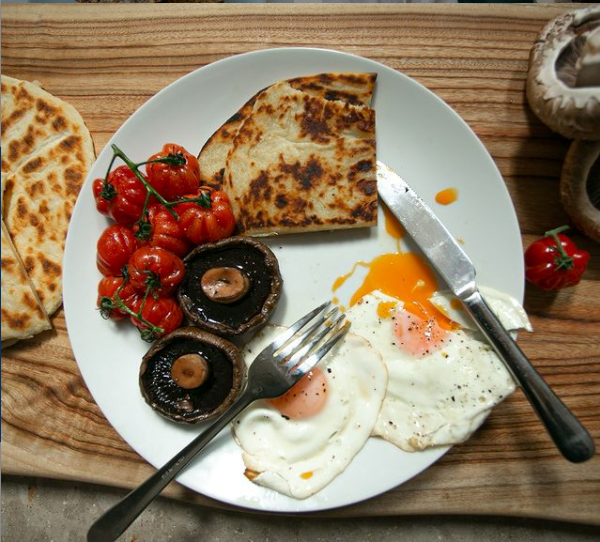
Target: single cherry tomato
[(173, 181), (115, 246), (156, 269), (554, 262), (107, 301), (163, 230), (206, 224), (121, 197), (162, 313)]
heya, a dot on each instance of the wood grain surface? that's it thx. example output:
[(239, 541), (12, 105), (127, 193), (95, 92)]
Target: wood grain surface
[(108, 60)]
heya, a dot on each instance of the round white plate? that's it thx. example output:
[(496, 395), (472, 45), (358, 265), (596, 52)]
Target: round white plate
[(418, 135)]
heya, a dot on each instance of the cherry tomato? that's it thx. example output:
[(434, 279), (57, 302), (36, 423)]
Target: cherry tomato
[(206, 224), (554, 262), (121, 197), (115, 246), (163, 313), (155, 268), (171, 181), (107, 303), (163, 230)]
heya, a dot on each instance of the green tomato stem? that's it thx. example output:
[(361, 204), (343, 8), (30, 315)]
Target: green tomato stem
[(563, 260), (203, 200), (134, 167), (154, 330)]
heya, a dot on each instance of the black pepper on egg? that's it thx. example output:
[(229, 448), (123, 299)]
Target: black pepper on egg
[(231, 286)]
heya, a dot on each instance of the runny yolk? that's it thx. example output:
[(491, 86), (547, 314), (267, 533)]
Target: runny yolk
[(447, 196), (306, 398), (418, 324), (456, 304), (407, 277), (392, 224)]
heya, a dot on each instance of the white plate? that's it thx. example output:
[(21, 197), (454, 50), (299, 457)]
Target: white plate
[(418, 135)]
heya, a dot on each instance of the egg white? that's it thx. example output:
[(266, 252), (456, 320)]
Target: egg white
[(298, 457), (508, 310), (437, 399)]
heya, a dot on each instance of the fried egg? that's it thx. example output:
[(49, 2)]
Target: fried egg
[(444, 379), (298, 443)]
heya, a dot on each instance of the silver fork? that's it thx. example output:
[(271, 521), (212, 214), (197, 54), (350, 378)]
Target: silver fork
[(274, 371)]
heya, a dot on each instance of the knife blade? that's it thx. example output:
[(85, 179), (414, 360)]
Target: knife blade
[(458, 272)]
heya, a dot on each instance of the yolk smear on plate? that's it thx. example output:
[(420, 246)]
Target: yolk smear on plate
[(447, 196), (403, 275), (392, 224), (456, 304)]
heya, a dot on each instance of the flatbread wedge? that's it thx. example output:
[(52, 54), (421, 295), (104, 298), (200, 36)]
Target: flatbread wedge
[(47, 152), (302, 163), (22, 313), (352, 88)]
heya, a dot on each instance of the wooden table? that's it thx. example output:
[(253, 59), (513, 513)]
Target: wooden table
[(107, 61)]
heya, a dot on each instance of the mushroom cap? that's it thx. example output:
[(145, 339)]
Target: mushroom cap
[(227, 373), (580, 186), (573, 112), (254, 259)]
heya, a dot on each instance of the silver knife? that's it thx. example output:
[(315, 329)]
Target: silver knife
[(457, 270)]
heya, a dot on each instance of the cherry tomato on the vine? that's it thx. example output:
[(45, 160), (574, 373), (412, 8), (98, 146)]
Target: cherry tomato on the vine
[(107, 302), (161, 312), (163, 230), (170, 181), (121, 197), (114, 248), (206, 224), (554, 261), (156, 269)]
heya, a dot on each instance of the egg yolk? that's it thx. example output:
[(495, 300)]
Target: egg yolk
[(392, 224), (447, 196), (305, 398), (416, 335), (419, 325)]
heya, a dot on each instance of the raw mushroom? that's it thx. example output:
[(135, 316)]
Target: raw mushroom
[(580, 186), (563, 83)]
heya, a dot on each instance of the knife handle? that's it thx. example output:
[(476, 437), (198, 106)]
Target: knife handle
[(567, 432)]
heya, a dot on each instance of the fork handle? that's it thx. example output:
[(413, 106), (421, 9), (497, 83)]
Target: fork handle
[(115, 520), (567, 432)]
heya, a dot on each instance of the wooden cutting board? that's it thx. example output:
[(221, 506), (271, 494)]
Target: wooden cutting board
[(108, 60)]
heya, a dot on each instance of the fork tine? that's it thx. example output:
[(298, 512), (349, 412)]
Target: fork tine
[(300, 339), (313, 342), (285, 336), (313, 359)]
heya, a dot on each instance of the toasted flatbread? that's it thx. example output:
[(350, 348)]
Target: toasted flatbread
[(47, 152), (352, 88), (302, 163), (22, 313)]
